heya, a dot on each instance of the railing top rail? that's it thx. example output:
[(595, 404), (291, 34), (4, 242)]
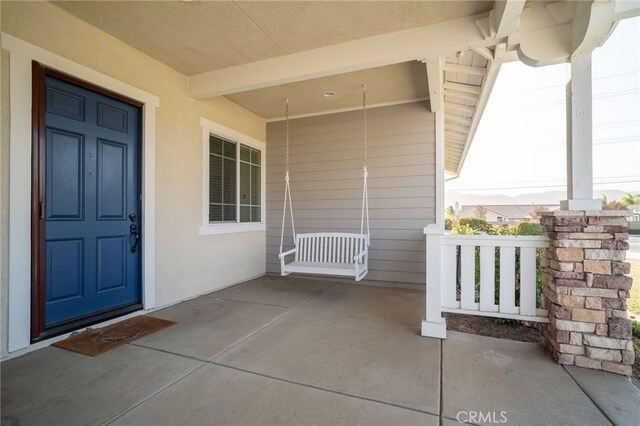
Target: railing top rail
[(496, 240), (496, 237)]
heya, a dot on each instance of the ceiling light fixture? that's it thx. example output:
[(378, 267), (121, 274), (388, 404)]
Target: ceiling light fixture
[(329, 93)]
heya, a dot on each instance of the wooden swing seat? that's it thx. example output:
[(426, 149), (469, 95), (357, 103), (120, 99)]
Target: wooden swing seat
[(328, 253)]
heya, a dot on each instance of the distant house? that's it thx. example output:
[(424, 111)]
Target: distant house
[(506, 214), (634, 219)]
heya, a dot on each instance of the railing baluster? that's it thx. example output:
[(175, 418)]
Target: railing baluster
[(508, 280), (468, 288), (449, 266), (487, 278), (527, 281)]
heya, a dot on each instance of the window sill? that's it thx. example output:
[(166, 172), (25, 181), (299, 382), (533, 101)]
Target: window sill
[(230, 228)]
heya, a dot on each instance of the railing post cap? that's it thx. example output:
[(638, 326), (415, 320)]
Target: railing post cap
[(433, 229)]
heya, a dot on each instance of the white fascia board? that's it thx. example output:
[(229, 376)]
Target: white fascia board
[(414, 44), (493, 68)]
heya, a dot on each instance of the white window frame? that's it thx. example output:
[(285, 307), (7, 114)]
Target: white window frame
[(213, 228)]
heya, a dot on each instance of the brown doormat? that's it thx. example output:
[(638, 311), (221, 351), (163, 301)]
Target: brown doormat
[(94, 342)]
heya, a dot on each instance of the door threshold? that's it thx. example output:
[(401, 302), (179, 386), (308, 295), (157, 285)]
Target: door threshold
[(46, 342), (85, 322)]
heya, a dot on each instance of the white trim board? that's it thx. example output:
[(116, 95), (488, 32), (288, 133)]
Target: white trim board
[(21, 56)]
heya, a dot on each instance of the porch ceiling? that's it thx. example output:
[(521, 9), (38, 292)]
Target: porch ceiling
[(392, 83), (198, 36), (195, 37)]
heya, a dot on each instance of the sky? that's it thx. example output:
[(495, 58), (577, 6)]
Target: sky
[(520, 145)]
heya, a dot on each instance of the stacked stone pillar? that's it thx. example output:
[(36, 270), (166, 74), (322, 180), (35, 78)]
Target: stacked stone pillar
[(585, 289)]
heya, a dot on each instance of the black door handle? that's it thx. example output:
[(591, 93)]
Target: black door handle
[(133, 230)]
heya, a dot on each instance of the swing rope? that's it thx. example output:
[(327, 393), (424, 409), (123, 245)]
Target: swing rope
[(287, 188), (365, 194)]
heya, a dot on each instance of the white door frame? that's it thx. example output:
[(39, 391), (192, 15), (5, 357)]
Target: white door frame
[(21, 56)]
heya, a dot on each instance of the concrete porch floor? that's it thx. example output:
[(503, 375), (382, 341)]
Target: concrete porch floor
[(299, 351)]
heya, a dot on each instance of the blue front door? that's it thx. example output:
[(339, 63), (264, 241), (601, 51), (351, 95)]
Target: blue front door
[(92, 203)]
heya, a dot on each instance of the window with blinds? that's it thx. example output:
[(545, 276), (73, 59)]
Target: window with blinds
[(249, 184), (234, 182)]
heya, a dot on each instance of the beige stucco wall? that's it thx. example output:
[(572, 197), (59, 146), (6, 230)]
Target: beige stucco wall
[(4, 197), (187, 264)]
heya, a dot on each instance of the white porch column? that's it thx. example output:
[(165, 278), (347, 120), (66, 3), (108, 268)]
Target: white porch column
[(434, 325), (580, 137)]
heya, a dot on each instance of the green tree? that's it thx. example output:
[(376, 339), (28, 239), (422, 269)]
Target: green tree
[(450, 212), (630, 199)]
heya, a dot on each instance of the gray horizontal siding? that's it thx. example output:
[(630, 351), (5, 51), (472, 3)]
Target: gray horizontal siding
[(326, 183)]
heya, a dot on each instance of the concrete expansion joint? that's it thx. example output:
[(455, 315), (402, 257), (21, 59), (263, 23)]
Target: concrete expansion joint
[(586, 394), (324, 389)]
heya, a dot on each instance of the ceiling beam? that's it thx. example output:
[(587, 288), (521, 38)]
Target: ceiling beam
[(505, 17), (467, 88), (461, 140), (485, 52), (369, 52), (457, 128), (465, 69), (457, 107), (459, 133), (434, 82), (464, 95), (457, 119)]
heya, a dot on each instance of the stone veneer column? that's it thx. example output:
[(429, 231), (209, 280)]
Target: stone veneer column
[(585, 289)]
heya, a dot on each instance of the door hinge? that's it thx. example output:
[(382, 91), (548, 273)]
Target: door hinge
[(41, 210)]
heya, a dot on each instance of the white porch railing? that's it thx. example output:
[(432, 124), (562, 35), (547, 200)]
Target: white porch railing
[(451, 277)]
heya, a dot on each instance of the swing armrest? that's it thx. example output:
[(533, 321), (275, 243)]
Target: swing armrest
[(286, 253), (360, 255)]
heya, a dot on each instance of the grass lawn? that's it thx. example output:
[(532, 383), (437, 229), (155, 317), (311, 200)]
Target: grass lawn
[(633, 303)]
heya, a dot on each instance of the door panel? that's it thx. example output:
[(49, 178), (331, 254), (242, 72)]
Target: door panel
[(65, 263), (112, 180), (92, 186), (65, 183), (112, 263)]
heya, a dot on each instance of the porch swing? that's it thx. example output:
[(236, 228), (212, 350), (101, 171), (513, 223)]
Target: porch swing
[(327, 253)]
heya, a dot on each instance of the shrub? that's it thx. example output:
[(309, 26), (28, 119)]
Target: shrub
[(528, 228), (477, 223), (503, 321), (448, 224), (635, 328)]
